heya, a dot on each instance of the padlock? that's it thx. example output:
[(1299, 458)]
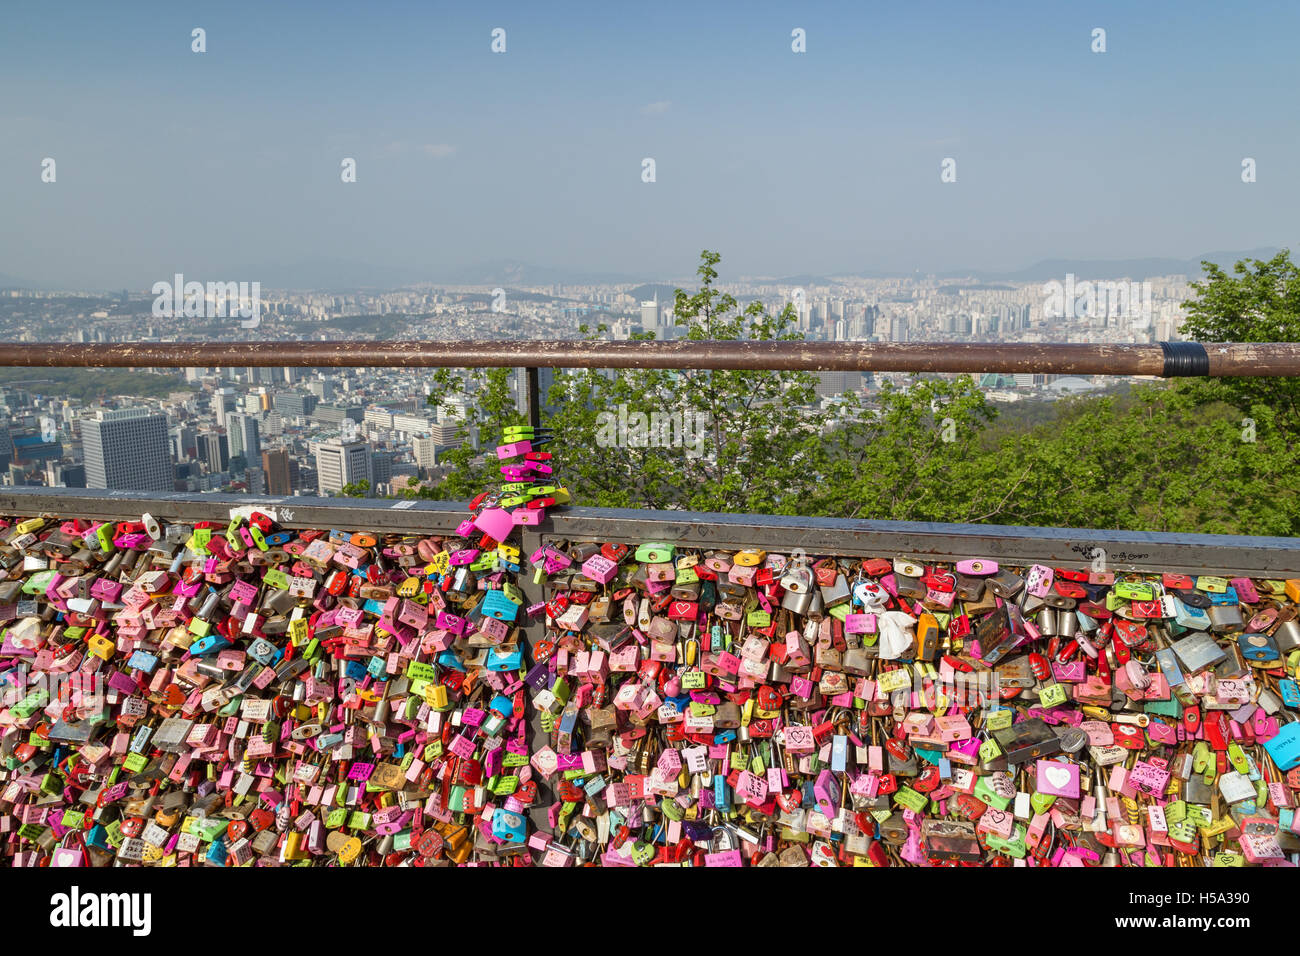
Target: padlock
[(797, 579)]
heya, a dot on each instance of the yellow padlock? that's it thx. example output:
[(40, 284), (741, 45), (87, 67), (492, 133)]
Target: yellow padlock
[(349, 851), (101, 646)]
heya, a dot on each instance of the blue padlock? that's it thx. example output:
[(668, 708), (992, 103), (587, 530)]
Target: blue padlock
[(355, 670), (143, 660), (1284, 747), (1290, 692), (1258, 647), (509, 826), (1227, 597), (568, 720), (450, 659), (503, 660), (497, 605), (208, 645), (839, 753), (264, 652), (217, 852)]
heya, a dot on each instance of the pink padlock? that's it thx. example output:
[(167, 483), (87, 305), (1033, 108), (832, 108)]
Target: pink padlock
[(600, 569), (513, 450), (495, 522), (1039, 580), (1245, 589), (860, 624)]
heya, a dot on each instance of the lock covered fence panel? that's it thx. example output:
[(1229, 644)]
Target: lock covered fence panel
[(309, 682)]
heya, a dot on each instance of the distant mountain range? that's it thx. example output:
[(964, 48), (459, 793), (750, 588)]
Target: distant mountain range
[(342, 275), (514, 272), (1046, 269)]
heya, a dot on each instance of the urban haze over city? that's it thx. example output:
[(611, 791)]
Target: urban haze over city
[(513, 173)]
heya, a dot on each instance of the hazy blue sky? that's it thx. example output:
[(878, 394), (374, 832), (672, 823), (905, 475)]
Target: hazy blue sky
[(217, 163)]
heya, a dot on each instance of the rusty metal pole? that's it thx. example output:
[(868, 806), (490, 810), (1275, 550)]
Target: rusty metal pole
[(1166, 359)]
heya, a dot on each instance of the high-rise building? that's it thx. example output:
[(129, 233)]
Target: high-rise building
[(181, 438), (650, 314), (294, 404), (425, 450), (322, 389), (832, 384), (445, 435), (411, 424), (214, 451), (334, 414), (126, 448), (223, 401), (275, 462), (64, 475), (244, 439), (341, 463), (545, 379), (381, 468)]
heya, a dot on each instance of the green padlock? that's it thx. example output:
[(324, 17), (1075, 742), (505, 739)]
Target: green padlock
[(654, 553), (1013, 847)]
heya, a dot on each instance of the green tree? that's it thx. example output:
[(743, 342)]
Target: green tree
[(488, 407), (1155, 460), (700, 439), (1258, 302), (916, 456), (356, 489), (739, 441)]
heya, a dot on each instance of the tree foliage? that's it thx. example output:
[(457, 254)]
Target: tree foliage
[(1258, 302), (356, 489)]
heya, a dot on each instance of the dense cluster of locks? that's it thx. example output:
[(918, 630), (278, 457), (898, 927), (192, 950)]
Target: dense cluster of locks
[(733, 708), (243, 694)]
